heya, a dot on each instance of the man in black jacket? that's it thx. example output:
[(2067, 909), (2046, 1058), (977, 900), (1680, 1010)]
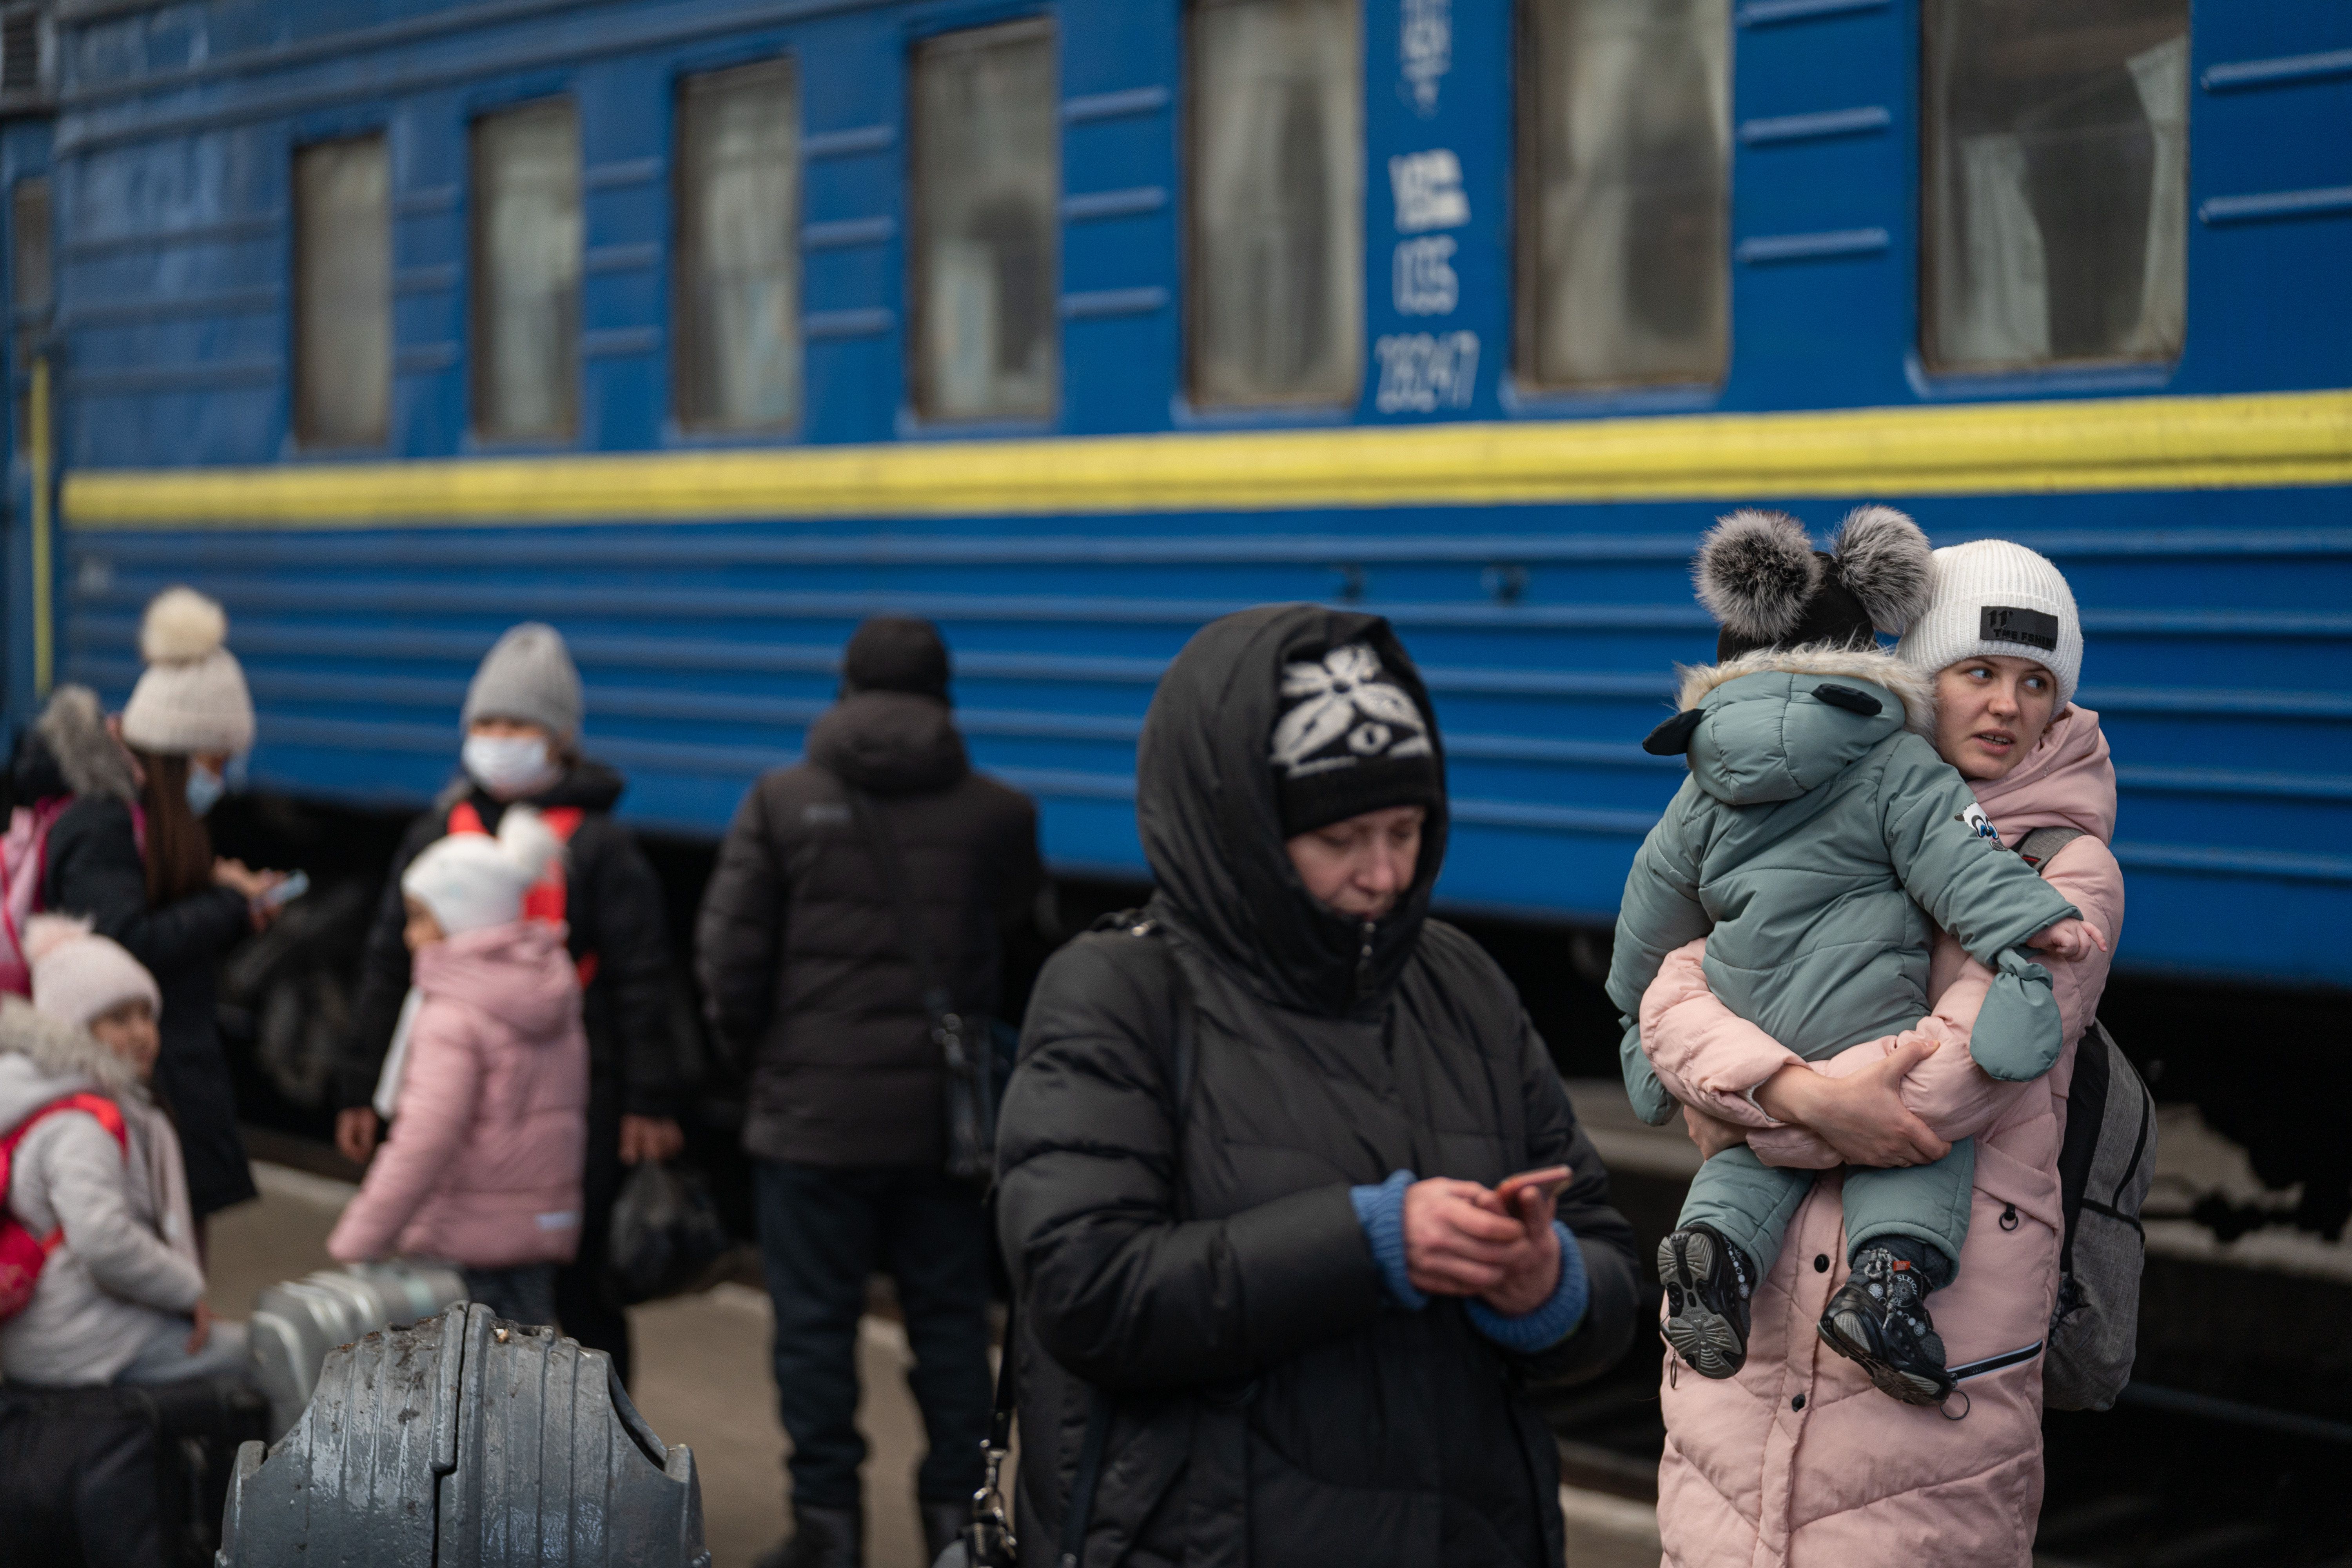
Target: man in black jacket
[(521, 719), (810, 979), (1249, 1163)]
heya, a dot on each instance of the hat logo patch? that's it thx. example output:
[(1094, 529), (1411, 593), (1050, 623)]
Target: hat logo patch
[(1344, 694), (2011, 623)]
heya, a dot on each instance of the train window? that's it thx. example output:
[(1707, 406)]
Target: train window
[(987, 175), (342, 293), (1624, 186), (738, 275), (1277, 194), (526, 295), (2056, 163)]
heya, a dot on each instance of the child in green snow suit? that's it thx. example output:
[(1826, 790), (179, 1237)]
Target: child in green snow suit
[(1816, 838)]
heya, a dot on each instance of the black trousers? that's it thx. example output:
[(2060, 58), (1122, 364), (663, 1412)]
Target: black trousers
[(585, 1304), (822, 1234)]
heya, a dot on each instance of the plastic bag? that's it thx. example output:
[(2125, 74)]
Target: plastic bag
[(667, 1233)]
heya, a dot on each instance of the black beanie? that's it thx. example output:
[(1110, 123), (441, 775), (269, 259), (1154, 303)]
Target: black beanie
[(895, 653), (1349, 740)]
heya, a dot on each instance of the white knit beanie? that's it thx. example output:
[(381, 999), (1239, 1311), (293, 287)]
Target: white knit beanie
[(78, 975), (193, 697), (472, 881), (1990, 596)]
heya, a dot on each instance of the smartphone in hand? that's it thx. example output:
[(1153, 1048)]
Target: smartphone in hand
[(287, 891), (1548, 1180)]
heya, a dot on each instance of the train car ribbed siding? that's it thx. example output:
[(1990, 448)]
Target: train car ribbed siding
[(1530, 541)]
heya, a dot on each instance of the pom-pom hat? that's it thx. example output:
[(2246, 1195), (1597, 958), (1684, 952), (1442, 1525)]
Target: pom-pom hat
[(1761, 577), (1990, 596), (79, 975), (472, 881), (193, 698)]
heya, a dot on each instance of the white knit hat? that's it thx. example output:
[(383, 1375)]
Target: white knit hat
[(472, 881), (78, 975), (193, 697), (1990, 596)]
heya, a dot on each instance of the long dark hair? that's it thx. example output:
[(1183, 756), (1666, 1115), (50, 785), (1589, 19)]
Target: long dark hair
[(179, 851)]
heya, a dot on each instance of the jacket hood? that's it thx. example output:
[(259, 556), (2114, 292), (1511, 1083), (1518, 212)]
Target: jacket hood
[(520, 974), (43, 1058), (890, 742), (79, 752), (1211, 825), (1777, 722), (2066, 781)]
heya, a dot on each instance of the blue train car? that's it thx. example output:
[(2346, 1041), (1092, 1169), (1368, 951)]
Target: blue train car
[(703, 328)]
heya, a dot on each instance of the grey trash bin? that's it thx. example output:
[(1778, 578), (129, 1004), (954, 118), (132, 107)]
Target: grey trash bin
[(295, 1324), (465, 1442)]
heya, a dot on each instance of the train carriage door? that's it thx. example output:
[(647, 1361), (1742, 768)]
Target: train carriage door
[(29, 560)]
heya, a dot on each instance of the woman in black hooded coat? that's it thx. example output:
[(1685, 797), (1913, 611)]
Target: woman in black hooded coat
[(1181, 1205)]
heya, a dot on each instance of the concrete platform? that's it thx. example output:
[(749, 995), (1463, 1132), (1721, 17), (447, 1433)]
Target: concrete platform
[(702, 1380)]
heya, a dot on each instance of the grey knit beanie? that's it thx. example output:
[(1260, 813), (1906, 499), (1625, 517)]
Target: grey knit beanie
[(528, 676)]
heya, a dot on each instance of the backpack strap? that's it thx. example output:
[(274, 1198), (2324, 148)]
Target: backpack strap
[(107, 1114), (2041, 846)]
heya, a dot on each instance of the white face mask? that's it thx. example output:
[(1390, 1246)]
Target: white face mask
[(204, 789), (509, 766)]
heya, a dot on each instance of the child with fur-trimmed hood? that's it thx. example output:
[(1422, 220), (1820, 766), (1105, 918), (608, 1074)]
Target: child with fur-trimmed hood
[(1816, 838), (120, 1296)]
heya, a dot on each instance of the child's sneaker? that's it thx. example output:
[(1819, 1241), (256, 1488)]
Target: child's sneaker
[(1879, 1319), (1707, 1280)]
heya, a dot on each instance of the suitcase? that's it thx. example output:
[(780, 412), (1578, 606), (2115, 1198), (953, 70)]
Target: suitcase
[(295, 1324)]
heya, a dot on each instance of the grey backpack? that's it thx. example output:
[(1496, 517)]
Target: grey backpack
[(2103, 1170)]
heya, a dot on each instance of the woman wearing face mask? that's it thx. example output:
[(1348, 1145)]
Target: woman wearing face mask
[(132, 855), (521, 721), (1252, 1168)]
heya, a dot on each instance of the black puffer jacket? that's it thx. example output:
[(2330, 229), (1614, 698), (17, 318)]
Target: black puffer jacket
[(612, 903), (803, 969), (1202, 1265)]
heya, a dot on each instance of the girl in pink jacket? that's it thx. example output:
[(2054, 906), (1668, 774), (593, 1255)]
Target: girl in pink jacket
[(1793, 1461), (491, 1118)]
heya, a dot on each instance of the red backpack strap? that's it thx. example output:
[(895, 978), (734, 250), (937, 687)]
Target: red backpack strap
[(108, 1114)]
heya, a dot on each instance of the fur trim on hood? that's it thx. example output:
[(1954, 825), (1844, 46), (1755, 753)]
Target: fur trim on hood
[(1911, 687), (61, 1050), (92, 761)]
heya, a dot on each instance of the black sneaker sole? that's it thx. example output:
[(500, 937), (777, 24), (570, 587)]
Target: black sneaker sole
[(1709, 1343), (1848, 1333)]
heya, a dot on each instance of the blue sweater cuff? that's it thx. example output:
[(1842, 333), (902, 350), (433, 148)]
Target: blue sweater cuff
[(1380, 1211), (1549, 1323)]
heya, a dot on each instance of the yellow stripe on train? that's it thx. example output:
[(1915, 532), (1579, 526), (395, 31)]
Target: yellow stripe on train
[(2120, 444)]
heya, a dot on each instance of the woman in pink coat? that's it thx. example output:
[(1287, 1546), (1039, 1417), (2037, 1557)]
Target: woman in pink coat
[(1798, 1459), (489, 1077)]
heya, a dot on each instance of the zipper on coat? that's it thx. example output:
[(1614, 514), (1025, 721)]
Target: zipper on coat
[(1363, 984)]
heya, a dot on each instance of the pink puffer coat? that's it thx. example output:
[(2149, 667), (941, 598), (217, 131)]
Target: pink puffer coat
[(484, 1162), (1799, 1460)]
